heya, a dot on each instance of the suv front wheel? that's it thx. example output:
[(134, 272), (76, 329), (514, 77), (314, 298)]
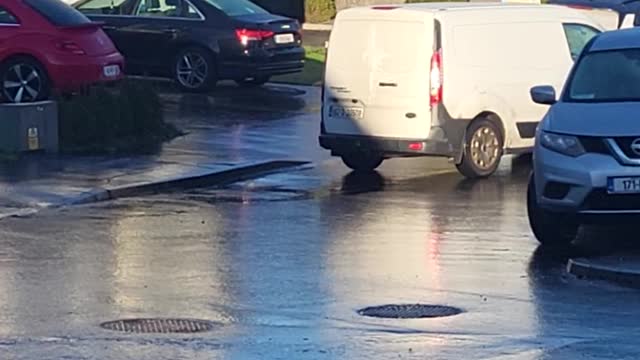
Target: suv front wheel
[(551, 229)]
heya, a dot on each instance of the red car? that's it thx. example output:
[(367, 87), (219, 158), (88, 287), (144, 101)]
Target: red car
[(46, 45)]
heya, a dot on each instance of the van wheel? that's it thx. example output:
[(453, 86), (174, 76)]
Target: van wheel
[(362, 161), (483, 149), (551, 229)]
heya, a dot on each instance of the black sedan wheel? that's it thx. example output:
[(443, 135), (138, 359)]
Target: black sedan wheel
[(24, 80), (195, 70)]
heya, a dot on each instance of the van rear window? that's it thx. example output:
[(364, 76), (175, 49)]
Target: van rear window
[(58, 13)]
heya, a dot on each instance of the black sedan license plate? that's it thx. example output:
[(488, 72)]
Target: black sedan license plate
[(623, 185)]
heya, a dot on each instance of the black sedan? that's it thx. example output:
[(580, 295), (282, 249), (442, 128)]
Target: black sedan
[(198, 42)]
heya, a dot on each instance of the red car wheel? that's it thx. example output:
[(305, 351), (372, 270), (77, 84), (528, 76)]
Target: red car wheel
[(24, 80)]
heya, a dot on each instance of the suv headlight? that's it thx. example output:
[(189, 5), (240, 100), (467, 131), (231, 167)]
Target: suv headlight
[(564, 144)]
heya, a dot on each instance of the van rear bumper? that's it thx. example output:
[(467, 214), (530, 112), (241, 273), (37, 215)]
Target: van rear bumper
[(344, 144)]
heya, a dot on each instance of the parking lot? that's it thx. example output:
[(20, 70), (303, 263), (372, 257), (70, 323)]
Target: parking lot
[(281, 264), (192, 212)]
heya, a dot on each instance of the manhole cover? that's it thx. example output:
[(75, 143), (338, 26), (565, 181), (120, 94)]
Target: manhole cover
[(163, 326), (416, 311)]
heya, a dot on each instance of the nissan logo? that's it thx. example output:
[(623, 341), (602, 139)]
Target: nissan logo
[(635, 146)]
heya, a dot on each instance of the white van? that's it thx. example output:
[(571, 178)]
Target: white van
[(444, 79)]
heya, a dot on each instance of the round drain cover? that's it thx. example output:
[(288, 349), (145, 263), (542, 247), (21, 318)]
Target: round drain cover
[(163, 326), (416, 311)]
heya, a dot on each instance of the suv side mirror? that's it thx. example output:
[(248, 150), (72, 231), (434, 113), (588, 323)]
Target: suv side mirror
[(545, 95)]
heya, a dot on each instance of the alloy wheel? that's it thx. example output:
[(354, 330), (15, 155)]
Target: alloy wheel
[(485, 148), (22, 83), (192, 70)]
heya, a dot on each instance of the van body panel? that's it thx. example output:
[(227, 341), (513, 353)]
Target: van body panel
[(485, 58), (492, 54), (378, 69)]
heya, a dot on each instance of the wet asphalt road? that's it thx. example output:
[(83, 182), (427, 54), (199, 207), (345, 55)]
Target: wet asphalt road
[(283, 263)]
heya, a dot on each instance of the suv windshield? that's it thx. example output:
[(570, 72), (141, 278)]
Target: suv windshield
[(235, 8), (606, 76), (58, 13)]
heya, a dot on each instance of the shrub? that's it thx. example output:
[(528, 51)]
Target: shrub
[(125, 118), (318, 11)]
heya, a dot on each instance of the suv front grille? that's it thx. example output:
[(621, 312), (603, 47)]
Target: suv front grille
[(592, 144), (600, 200), (625, 145)]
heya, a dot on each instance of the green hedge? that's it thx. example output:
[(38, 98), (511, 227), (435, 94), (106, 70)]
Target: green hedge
[(127, 118), (319, 11)]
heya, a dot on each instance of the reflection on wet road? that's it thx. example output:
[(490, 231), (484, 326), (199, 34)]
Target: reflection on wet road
[(285, 278)]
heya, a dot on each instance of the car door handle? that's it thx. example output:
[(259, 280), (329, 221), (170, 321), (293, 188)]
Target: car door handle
[(384, 84), (171, 31), (108, 27)]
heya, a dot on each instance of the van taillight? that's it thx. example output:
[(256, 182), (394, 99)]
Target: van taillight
[(436, 78)]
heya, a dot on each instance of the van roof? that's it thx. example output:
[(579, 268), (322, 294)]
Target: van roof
[(619, 39), (451, 6)]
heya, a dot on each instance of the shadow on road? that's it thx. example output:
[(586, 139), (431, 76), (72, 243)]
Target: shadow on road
[(269, 98), (362, 182)]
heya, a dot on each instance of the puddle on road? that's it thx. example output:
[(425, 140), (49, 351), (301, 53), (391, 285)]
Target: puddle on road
[(246, 196)]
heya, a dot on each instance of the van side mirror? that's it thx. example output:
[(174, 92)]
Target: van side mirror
[(545, 95)]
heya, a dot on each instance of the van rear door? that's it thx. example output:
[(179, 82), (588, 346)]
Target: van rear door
[(377, 75)]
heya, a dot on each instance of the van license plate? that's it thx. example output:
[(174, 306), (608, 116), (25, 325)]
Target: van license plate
[(284, 38), (111, 71), (623, 185), (354, 113)]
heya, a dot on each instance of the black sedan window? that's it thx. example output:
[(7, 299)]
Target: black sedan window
[(106, 7), (235, 8), (58, 13)]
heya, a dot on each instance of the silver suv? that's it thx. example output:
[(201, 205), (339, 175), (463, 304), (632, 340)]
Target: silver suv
[(586, 161)]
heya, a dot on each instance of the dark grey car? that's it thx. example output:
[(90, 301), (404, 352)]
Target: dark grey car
[(198, 42)]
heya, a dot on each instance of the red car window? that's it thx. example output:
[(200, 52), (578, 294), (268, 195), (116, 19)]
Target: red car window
[(6, 17), (58, 13)]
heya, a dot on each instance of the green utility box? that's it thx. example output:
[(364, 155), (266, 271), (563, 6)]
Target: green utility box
[(29, 127)]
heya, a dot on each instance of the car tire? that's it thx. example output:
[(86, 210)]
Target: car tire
[(552, 230), (253, 82), (195, 70), (362, 161), (482, 150), (36, 85)]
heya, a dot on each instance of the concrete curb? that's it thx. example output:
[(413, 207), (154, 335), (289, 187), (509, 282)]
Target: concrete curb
[(21, 213), (591, 269), (317, 27), (215, 178)]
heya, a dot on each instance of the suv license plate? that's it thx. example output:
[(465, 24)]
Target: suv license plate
[(353, 113), (111, 71), (284, 38), (623, 185)]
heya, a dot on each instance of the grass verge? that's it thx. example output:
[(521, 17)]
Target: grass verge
[(313, 69)]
